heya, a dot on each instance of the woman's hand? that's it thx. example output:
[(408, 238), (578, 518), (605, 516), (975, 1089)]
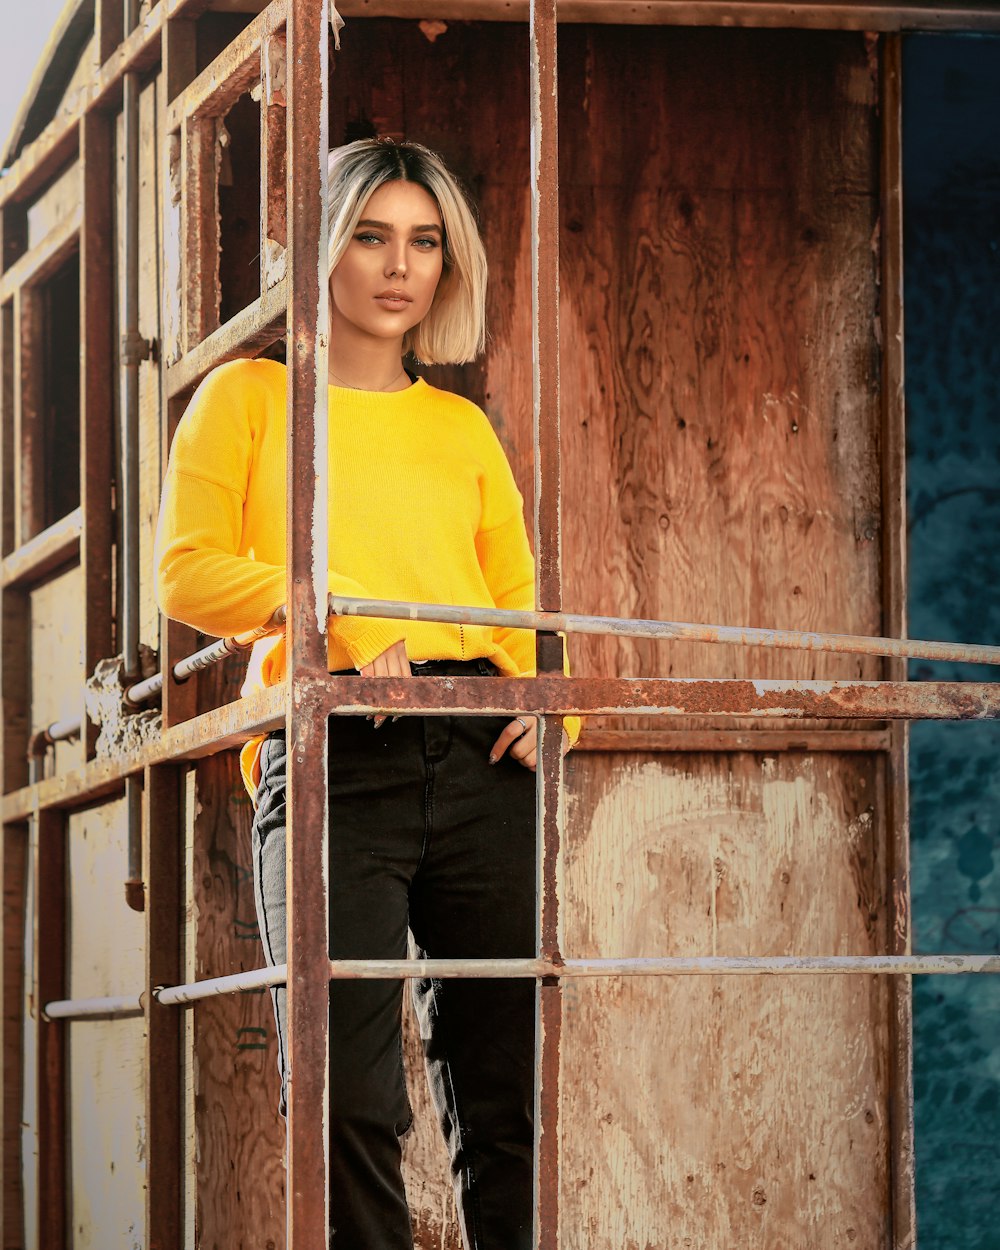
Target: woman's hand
[(393, 662), (520, 737)]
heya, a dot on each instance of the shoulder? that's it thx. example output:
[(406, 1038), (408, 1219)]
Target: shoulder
[(231, 408), (244, 379), (463, 413)]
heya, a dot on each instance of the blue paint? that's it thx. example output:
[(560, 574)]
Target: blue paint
[(952, 268)]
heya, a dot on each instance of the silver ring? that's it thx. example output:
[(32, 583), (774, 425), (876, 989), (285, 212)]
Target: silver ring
[(524, 727)]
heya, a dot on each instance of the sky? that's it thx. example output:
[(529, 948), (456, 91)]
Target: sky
[(24, 38)]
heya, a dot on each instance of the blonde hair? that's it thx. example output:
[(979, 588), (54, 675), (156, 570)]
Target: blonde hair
[(454, 329)]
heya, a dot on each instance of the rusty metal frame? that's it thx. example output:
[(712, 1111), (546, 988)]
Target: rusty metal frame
[(308, 1211), (227, 727), (167, 34), (544, 122), (895, 762)]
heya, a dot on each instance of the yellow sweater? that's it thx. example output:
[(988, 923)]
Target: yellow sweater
[(423, 507)]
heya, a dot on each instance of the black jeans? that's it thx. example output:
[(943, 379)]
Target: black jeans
[(424, 834)]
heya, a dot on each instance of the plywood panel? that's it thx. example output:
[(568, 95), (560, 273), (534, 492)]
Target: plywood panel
[(720, 358), (107, 1129), (57, 658), (240, 1137), (715, 1111), (720, 413)]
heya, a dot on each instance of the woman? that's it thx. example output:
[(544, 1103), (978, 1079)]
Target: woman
[(432, 818)]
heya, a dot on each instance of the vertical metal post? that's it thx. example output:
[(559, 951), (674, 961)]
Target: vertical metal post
[(129, 368), (307, 804), (29, 472), (548, 588), (130, 355), (163, 845), (179, 66), (96, 394), (13, 881), (900, 989), (48, 918)]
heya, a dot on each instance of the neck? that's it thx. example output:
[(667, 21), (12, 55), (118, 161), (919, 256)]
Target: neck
[(359, 361)]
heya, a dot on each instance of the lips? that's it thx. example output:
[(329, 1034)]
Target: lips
[(393, 300)]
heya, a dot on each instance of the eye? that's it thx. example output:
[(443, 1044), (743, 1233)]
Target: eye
[(427, 244), (367, 237)]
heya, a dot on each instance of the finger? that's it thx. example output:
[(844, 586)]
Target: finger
[(525, 745), (508, 735)]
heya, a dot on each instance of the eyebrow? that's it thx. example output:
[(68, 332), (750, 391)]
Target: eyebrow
[(385, 225)]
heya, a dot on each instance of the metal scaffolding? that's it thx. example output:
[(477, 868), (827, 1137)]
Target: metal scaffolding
[(296, 305)]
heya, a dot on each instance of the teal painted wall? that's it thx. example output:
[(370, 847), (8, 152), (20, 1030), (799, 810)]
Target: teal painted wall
[(952, 303)]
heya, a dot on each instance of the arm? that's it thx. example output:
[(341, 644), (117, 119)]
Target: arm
[(201, 578)]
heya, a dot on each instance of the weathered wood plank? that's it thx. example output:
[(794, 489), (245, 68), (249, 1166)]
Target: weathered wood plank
[(238, 1129), (751, 1112), (107, 1128), (719, 297), (49, 921)]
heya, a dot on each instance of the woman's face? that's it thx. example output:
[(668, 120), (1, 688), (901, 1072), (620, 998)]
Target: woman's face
[(384, 283)]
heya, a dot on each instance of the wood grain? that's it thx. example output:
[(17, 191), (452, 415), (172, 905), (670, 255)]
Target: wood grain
[(720, 288), (741, 1112)]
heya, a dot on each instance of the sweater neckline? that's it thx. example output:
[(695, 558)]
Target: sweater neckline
[(379, 397)]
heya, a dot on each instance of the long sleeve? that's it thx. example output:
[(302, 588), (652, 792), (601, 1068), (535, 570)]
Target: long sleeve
[(207, 572), (202, 581)]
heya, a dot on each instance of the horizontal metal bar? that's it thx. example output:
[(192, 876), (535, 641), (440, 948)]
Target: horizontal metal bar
[(94, 1008), (495, 969), (659, 696), (672, 631), (203, 735), (205, 658), (238, 983), (569, 623), (695, 741), (264, 710), (827, 15), (63, 730), (149, 687), (709, 965), (53, 547)]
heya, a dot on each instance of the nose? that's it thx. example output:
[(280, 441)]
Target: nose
[(395, 261)]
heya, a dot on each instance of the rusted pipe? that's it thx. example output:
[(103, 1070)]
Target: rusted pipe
[(505, 969), (674, 631), (566, 622), (132, 351), (94, 1008)]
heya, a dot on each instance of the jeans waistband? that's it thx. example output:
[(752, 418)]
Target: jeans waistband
[(440, 668)]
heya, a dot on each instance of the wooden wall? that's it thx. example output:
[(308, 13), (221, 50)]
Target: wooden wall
[(720, 367), (720, 371)]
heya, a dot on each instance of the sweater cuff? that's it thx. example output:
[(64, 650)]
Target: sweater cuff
[(374, 637)]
